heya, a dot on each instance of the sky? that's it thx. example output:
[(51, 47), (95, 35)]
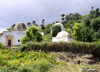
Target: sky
[(14, 11)]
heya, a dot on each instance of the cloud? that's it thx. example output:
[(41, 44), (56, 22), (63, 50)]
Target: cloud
[(2, 29), (14, 11)]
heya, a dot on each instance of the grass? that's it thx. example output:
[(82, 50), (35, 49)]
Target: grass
[(73, 67), (36, 61)]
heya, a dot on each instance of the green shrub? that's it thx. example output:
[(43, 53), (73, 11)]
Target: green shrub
[(2, 61), (55, 30), (23, 47), (95, 24), (77, 32), (75, 46), (43, 65), (70, 24), (32, 34), (79, 21), (13, 69), (47, 38), (86, 20), (2, 46), (24, 69), (84, 16), (4, 70), (48, 28)]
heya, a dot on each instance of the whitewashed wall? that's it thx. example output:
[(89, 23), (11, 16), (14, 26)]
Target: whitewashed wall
[(56, 39), (5, 33), (17, 35), (42, 33), (0, 38)]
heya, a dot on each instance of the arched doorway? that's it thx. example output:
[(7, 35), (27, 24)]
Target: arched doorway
[(9, 42)]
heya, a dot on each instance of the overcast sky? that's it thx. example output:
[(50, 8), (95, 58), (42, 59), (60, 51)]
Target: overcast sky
[(14, 11)]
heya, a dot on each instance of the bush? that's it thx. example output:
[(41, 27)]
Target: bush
[(23, 47), (70, 24), (4, 70), (43, 65), (67, 46), (87, 33), (2, 46), (55, 30), (32, 34), (2, 62), (48, 28), (24, 69), (95, 24), (47, 38), (77, 32), (86, 20)]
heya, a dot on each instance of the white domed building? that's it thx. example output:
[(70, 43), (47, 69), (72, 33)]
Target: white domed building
[(13, 37), (62, 36), (62, 27)]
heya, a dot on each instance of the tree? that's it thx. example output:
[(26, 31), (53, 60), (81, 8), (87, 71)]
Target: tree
[(67, 17), (77, 16), (77, 32), (87, 33), (55, 30), (92, 8), (96, 36), (48, 28), (70, 24), (11, 27), (95, 24), (42, 25), (28, 24), (32, 34), (34, 23), (86, 20), (63, 17)]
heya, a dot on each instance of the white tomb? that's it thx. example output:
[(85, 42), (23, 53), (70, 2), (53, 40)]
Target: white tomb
[(13, 37), (62, 36)]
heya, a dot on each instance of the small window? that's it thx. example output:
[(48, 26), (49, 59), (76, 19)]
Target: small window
[(19, 40)]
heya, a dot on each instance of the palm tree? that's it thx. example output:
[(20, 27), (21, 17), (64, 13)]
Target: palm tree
[(42, 25), (62, 15), (33, 22), (77, 15), (57, 21), (70, 16), (97, 9), (67, 17), (43, 21), (28, 24), (92, 8), (53, 23)]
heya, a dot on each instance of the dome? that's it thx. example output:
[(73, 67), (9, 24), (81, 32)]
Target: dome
[(63, 34), (20, 25), (62, 27)]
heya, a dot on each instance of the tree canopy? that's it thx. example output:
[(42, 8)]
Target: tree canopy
[(77, 32), (32, 34)]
